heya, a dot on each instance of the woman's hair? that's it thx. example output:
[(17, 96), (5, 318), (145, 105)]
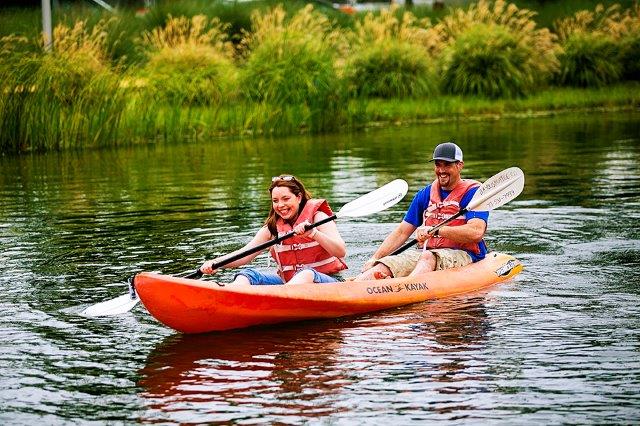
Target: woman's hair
[(296, 187)]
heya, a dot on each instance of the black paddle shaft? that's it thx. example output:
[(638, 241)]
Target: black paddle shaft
[(198, 273)]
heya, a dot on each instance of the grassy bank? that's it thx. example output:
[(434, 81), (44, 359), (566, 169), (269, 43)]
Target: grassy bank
[(250, 119), (177, 73), (552, 101)]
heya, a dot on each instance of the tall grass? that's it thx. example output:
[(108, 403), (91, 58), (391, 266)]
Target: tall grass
[(200, 68), (494, 50), (190, 62), (67, 98), (387, 57), (599, 46), (289, 69)]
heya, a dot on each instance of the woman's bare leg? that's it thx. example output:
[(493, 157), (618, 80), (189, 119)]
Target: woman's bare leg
[(241, 280), (302, 277)]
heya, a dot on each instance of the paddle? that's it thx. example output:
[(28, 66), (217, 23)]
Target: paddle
[(372, 202), (495, 192)]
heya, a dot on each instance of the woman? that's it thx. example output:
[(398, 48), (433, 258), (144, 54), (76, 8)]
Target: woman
[(309, 256)]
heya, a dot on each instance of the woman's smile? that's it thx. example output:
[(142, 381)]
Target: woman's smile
[(285, 203)]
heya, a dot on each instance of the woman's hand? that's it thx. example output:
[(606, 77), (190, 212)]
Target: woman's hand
[(206, 268), (301, 229)]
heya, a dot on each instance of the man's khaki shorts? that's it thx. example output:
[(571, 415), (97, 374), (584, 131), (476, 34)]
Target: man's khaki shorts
[(402, 264)]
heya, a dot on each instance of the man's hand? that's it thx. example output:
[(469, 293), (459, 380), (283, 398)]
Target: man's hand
[(423, 233)]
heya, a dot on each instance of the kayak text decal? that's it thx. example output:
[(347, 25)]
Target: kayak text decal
[(397, 288)]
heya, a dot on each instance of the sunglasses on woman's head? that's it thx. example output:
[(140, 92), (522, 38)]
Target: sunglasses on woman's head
[(286, 177)]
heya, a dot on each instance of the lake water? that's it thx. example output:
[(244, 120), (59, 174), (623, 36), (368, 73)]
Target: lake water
[(559, 344)]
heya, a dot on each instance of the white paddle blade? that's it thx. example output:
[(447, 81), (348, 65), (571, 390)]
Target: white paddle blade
[(375, 201), (498, 190), (117, 306)]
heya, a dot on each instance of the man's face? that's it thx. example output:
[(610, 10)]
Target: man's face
[(448, 173)]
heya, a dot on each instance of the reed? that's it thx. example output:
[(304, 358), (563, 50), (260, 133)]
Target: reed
[(600, 46), (486, 60), (494, 50), (63, 99), (589, 60), (201, 69), (190, 62), (289, 69), (387, 57), (447, 108)]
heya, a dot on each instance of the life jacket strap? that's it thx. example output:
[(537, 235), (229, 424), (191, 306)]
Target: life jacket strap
[(279, 248), (307, 265)]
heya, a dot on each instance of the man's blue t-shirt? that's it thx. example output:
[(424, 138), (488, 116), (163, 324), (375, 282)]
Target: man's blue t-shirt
[(420, 203)]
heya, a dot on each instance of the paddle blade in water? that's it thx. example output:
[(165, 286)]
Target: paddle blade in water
[(375, 201), (498, 190), (119, 305)]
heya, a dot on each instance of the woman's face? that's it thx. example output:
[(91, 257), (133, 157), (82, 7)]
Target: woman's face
[(285, 203)]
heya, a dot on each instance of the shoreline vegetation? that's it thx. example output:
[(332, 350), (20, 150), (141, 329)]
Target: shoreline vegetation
[(197, 70)]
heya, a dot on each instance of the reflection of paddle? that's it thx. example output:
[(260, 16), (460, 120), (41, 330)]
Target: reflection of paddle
[(495, 192), (372, 202)]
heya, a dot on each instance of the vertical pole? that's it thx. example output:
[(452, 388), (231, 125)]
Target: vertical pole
[(47, 33)]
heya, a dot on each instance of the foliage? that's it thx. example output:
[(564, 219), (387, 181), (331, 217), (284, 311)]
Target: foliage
[(589, 60), (388, 58), (62, 98), (390, 69), (290, 64), (190, 62), (285, 67), (599, 45), (494, 49), (486, 60)]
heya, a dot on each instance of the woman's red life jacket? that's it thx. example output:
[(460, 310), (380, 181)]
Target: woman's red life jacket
[(298, 252), (440, 210)]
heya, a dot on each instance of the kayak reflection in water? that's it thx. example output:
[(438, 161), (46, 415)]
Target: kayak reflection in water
[(312, 255), (457, 244)]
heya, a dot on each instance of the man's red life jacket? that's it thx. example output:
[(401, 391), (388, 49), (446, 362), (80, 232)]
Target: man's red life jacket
[(440, 210), (298, 252)]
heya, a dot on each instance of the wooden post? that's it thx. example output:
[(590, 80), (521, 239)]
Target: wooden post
[(47, 33)]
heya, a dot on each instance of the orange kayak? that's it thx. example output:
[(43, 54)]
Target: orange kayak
[(197, 306)]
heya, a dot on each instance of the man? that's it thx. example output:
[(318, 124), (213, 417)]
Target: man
[(457, 244)]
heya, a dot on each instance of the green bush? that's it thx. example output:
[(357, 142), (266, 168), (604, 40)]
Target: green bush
[(287, 71), (190, 62), (191, 75), (589, 60), (390, 69), (64, 98), (630, 57), (487, 60), (290, 64)]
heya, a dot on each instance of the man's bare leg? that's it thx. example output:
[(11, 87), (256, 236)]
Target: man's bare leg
[(426, 263), (377, 272)]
